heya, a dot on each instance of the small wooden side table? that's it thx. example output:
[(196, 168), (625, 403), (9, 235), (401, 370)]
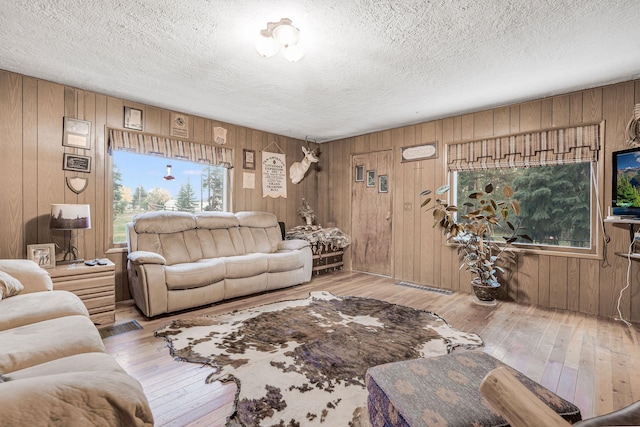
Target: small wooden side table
[(95, 285)]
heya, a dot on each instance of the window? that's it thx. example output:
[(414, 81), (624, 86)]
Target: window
[(552, 173), (139, 186), (555, 200)]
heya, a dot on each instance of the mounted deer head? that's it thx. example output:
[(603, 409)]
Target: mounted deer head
[(298, 169)]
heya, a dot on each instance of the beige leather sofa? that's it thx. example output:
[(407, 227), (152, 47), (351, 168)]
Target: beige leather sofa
[(179, 260), (53, 366)]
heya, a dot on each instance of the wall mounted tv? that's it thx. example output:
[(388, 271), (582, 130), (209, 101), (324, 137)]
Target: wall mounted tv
[(626, 183)]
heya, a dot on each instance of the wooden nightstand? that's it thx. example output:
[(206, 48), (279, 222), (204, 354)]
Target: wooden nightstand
[(94, 285)]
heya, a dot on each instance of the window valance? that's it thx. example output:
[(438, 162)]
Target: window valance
[(547, 147), (143, 143)]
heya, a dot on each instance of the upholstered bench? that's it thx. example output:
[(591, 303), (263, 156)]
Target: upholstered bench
[(444, 391)]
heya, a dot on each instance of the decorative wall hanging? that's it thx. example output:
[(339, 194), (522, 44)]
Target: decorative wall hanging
[(179, 125), (248, 159), (274, 175), (360, 173), (77, 184), (420, 152), (299, 169), (633, 127), (77, 133), (371, 178), (132, 118), (73, 162), (219, 135)]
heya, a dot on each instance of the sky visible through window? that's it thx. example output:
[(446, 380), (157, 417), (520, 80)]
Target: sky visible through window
[(148, 171)]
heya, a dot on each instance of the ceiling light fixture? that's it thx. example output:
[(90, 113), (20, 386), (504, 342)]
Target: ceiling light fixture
[(280, 37)]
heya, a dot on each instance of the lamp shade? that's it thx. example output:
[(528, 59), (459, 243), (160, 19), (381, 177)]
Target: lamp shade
[(70, 217)]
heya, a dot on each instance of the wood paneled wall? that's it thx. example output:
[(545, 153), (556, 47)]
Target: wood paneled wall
[(31, 151), (419, 251), (31, 117)]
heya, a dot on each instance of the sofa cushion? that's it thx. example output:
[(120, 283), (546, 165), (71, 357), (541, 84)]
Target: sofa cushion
[(162, 222), (25, 309), (257, 219), (284, 261), (220, 242), (194, 274), (75, 399), (32, 277), (30, 345), (215, 220), (9, 285), (84, 362), (174, 248), (260, 240), (245, 266)]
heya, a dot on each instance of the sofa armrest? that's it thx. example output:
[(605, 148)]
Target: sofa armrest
[(146, 257), (627, 416), (32, 277), (292, 245)]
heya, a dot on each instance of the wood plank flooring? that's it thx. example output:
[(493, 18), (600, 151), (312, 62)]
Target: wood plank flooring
[(591, 361)]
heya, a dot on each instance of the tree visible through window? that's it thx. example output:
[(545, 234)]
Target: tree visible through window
[(555, 200), (139, 185)]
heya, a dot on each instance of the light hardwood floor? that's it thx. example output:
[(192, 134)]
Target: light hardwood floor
[(591, 361)]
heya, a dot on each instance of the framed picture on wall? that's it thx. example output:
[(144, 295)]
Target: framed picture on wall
[(44, 255), (132, 118), (76, 133), (371, 178), (179, 125), (360, 173), (73, 162), (383, 184), (248, 159)]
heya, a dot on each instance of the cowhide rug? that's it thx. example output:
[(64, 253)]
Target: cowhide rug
[(303, 362)]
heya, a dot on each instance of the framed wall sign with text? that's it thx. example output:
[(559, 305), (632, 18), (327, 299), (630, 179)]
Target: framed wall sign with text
[(77, 133), (420, 152)]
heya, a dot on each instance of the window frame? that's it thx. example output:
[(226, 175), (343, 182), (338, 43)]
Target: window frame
[(596, 251), (110, 246)]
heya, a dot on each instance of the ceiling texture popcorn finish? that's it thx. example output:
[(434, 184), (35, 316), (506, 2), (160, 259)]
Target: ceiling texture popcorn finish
[(369, 64)]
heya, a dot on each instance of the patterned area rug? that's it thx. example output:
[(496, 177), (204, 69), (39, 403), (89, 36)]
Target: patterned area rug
[(303, 362)]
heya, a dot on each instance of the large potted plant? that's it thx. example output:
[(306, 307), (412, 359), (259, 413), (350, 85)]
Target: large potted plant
[(477, 228)]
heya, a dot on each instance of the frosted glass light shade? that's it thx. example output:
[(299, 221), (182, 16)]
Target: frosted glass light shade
[(267, 46), (286, 35), (293, 53)]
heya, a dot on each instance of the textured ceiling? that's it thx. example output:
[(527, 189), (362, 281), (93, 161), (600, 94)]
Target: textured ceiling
[(369, 64)]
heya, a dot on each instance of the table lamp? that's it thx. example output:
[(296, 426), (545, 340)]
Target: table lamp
[(69, 217)]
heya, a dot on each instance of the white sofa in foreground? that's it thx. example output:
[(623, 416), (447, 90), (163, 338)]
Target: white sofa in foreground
[(179, 260), (54, 370)]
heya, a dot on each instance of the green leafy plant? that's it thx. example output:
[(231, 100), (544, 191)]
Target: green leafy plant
[(475, 227)]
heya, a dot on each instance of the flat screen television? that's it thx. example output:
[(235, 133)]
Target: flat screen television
[(626, 183)]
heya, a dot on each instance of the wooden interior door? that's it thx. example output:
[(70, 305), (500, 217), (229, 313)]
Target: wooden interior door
[(371, 211)]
